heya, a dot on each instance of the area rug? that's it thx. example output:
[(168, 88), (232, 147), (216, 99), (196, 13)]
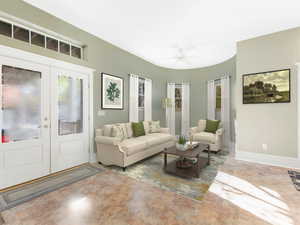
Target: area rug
[(11, 198), (295, 176), (151, 171)]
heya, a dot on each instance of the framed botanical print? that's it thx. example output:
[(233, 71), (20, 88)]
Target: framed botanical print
[(112, 92)]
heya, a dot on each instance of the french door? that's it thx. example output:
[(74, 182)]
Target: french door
[(69, 132), (43, 120), (25, 133)]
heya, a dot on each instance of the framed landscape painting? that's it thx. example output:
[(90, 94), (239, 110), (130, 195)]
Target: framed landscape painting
[(267, 87), (112, 91)]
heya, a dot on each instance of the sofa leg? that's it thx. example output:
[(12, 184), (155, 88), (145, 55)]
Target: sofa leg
[(124, 169)]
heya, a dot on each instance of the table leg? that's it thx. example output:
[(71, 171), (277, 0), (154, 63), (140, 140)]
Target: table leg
[(165, 160), (198, 166), (208, 152)]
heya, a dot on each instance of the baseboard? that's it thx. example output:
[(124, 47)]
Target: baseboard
[(272, 160)]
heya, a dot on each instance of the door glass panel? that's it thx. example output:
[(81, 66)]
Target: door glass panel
[(70, 106), (21, 104)]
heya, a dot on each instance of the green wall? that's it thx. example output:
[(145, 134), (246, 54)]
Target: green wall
[(271, 124), (104, 57)]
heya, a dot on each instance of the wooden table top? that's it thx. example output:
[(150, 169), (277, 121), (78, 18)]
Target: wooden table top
[(188, 153)]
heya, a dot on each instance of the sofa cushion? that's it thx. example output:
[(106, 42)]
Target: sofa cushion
[(119, 131), (146, 127), (124, 129), (107, 130), (212, 126), (205, 136), (158, 138), (154, 126), (133, 145), (129, 130), (138, 129), (201, 125)]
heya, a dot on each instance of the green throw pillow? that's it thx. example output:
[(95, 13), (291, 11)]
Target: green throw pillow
[(212, 126), (138, 129)]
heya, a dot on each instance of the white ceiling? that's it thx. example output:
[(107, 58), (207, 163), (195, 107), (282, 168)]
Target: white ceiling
[(177, 34)]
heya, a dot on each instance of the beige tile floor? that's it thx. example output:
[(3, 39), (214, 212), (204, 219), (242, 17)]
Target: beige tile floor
[(242, 193)]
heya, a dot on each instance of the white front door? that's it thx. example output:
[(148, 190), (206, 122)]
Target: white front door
[(43, 120), (24, 121), (69, 117)]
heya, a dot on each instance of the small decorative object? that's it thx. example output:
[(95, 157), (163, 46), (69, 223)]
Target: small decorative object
[(181, 144), (267, 87), (112, 92)]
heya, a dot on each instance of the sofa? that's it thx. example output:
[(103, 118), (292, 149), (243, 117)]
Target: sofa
[(126, 151), (214, 140)]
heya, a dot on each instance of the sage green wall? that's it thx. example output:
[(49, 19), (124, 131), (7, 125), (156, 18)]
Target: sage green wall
[(105, 57), (198, 92), (271, 124)]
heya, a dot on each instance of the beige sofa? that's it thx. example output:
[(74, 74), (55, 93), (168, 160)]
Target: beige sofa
[(214, 140), (115, 151)]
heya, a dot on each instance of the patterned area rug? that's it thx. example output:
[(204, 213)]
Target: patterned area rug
[(295, 176), (11, 198), (151, 171)]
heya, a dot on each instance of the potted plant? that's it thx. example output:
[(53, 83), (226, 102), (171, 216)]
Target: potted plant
[(181, 143)]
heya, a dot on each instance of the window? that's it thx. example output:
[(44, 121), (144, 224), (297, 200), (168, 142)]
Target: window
[(64, 48), (178, 99), (70, 105), (218, 97), (21, 112), (21, 34), (37, 39), (76, 52), (5, 29), (41, 39), (52, 44), (141, 93)]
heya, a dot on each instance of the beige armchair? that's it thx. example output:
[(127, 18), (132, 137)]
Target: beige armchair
[(214, 140)]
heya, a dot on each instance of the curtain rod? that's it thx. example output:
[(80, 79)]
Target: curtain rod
[(178, 83), (143, 77), (218, 78)]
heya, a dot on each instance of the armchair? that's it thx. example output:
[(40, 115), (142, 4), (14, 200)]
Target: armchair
[(214, 140)]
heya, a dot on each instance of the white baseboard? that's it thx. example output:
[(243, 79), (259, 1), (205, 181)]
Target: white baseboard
[(272, 160)]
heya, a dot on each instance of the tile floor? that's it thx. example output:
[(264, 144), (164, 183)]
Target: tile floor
[(242, 193)]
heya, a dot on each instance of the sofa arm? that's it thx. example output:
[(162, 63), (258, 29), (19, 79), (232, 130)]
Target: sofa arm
[(108, 140), (165, 130), (98, 132), (193, 130), (219, 132)]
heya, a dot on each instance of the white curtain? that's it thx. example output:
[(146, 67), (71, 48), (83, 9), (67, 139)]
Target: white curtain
[(211, 100), (225, 110), (133, 98), (170, 111), (148, 100), (185, 113)]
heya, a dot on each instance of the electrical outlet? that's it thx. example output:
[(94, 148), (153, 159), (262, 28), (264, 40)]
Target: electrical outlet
[(265, 147)]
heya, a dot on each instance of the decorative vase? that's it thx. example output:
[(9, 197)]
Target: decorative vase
[(181, 147)]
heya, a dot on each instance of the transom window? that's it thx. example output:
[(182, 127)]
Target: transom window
[(35, 38)]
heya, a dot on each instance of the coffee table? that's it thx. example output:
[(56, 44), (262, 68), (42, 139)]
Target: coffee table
[(194, 169)]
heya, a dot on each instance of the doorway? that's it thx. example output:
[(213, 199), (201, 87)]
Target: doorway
[(44, 120)]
